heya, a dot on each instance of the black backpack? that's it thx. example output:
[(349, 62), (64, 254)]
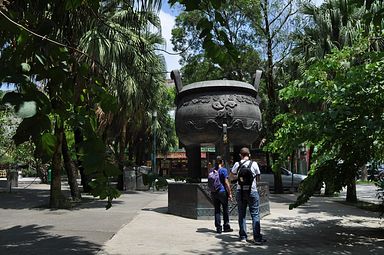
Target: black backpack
[(245, 176)]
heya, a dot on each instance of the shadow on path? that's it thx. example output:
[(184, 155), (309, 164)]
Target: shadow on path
[(330, 206), (163, 209), (311, 236), (33, 239), (38, 199)]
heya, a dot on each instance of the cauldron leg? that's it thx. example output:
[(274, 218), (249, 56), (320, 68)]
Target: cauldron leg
[(222, 149), (194, 162), (236, 152)]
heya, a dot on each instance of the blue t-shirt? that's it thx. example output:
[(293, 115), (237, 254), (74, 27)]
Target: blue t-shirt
[(223, 173)]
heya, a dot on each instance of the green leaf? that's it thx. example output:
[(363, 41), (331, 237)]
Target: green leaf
[(13, 98), (72, 4), (27, 109), (216, 3), (108, 103), (192, 5), (32, 128), (25, 67), (204, 23), (111, 170), (22, 38), (93, 151), (220, 18), (48, 142), (41, 59)]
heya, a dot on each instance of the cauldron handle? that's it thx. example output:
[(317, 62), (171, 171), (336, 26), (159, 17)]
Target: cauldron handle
[(256, 82), (175, 76)]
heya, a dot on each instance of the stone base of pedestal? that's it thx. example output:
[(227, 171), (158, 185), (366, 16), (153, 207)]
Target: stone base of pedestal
[(193, 200)]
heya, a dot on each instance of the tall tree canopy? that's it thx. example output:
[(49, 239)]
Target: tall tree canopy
[(330, 105), (90, 68), (216, 41)]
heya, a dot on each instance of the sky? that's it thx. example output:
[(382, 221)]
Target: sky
[(167, 18)]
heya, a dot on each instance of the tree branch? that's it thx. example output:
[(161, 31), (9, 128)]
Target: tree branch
[(282, 11), (282, 24), (42, 37)]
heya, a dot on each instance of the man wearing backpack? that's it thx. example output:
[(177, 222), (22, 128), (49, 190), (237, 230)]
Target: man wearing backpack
[(247, 174), (220, 191)]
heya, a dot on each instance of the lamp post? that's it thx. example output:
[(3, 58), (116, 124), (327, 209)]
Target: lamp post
[(154, 118)]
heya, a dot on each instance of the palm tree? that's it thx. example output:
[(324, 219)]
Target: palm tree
[(334, 24), (123, 42)]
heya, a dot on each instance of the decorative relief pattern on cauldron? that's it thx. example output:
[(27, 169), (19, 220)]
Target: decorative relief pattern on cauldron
[(201, 99), (195, 124), (208, 99), (224, 107), (240, 124), (246, 99)]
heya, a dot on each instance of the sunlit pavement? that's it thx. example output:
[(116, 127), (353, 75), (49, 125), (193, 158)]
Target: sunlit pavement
[(322, 226), (138, 223)]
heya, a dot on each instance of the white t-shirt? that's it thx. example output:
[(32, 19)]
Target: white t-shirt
[(255, 170)]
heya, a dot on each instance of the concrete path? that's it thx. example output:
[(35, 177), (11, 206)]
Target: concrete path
[(138, 223), (28, 227), (322, 226)]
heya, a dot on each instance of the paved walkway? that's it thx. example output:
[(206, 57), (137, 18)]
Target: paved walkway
[(320, 227), (138, 223)]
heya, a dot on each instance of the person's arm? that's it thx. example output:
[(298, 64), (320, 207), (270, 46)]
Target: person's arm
[(228, 188), (257, 171), (232, 174)]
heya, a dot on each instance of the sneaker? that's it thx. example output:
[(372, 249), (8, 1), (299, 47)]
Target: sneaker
[(218, 230), (260, 242), (243, 239), (228, 230)]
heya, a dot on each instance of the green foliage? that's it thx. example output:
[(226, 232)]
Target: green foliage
[(84, 85), (216, 40), (155, 181), (347, 88), (149, 179), (161, 183), (101, 187), (29, 172), (45, 75)]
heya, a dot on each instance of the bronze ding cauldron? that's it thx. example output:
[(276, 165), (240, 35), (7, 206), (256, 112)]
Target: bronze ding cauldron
[(210, 111)]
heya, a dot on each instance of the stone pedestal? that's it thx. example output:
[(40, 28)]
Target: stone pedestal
[(193, 200)]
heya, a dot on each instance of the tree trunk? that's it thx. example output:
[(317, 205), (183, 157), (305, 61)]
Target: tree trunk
[(329, 189), (71, 170), (85, 179), (271, 92), (351, 192), (139, 149), (278, 187), (121, 160), (309, 157), (41, 171), (292, 166), (278, 182), (57, 199), (364, 173)]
